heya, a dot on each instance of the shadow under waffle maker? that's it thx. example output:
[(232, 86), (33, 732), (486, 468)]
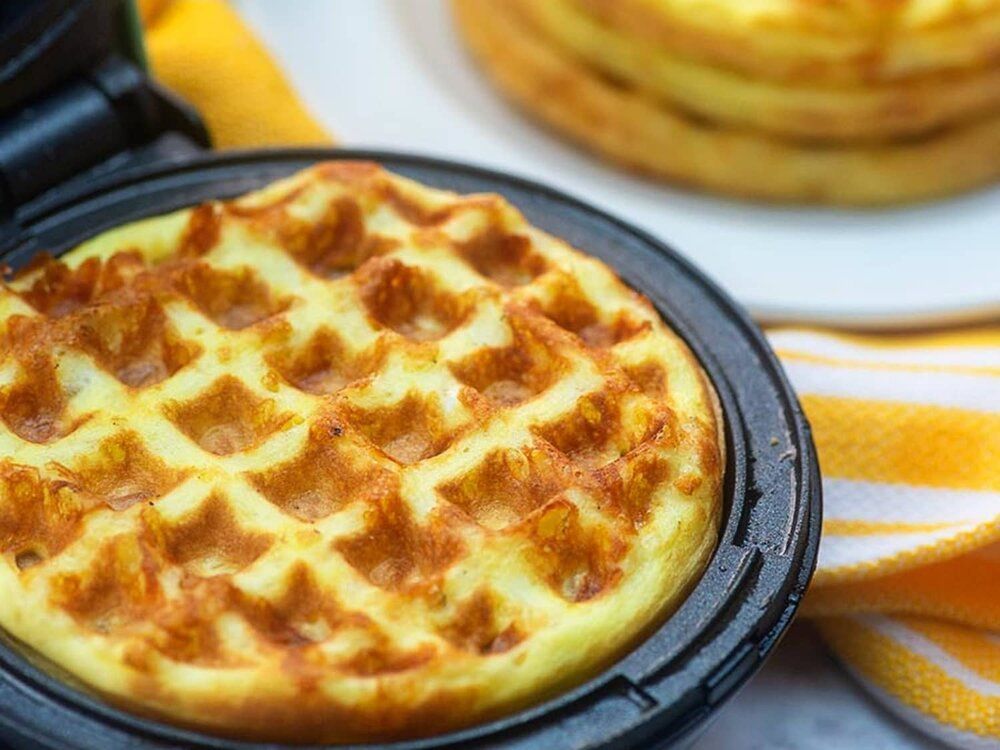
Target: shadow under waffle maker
[(88, 143)]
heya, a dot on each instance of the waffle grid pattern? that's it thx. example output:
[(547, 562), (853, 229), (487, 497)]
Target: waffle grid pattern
[(345, 426)]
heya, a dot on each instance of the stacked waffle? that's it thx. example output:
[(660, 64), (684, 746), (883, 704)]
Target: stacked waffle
[(847, 101)]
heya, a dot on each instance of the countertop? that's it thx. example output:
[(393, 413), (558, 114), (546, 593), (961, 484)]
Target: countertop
[(802, 700)]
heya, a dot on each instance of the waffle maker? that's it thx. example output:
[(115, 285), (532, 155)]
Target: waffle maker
[(89, 142)]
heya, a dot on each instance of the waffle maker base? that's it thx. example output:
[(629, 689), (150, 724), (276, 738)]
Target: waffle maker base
[(665, 690)]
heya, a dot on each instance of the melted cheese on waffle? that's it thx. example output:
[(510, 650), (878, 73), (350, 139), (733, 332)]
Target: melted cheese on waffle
[(344, 459)]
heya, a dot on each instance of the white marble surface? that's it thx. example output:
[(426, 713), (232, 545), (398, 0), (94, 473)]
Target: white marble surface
[(801, 700)]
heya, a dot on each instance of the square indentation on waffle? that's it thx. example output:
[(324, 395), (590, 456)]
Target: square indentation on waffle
[(408, 427), (33, 401), (479, 624), (122, 472), (207, 539), (602, 427), (114, 591), (330, 470), (576, 555), (330, 238), (132, 339), (394, 550), (408, 300), (324, 364), (629, 484), (296, 609), (40, 516), (563, 301), (510, 374), (227, 417), (648, 376), (55, 289), (508, 484), (233, 299), (503, 255)]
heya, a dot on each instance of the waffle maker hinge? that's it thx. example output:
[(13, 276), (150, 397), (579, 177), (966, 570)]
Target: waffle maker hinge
[(76, 102)]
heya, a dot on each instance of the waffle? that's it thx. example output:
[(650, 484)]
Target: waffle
[(345, 459), (805, 108), (845, 42), (631, 127)]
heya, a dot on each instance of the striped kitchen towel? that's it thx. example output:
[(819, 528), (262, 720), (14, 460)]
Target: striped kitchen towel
[(907, 590)]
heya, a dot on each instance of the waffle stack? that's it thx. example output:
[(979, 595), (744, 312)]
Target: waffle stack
[(345, 459), (850, 102)]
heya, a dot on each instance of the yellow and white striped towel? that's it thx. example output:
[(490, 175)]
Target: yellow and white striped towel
[(907, 590)]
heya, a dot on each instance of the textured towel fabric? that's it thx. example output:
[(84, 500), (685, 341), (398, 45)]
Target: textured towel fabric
[(907, 593), (907, 590)]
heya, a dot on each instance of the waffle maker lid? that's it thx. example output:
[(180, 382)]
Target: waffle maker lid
[(99, 145)]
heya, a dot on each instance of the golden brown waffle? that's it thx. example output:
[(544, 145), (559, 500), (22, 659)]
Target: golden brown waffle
[(842, 42), (804, 108), (345, 459), (631, 126)]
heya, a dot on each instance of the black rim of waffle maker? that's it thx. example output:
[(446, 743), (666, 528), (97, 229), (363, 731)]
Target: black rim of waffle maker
[(663, 691)]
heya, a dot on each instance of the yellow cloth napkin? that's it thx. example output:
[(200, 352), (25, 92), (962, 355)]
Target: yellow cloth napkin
[(203, 51), (907, 593)]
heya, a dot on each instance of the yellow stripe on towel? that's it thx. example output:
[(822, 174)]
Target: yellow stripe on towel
[(789, 357), (910, 671), (854, 527), (957, 590), (909, 443)]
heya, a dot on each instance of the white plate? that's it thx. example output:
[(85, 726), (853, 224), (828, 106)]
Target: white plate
[(392, 74)]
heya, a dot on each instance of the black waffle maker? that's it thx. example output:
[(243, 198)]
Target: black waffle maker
[(88, 142)]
